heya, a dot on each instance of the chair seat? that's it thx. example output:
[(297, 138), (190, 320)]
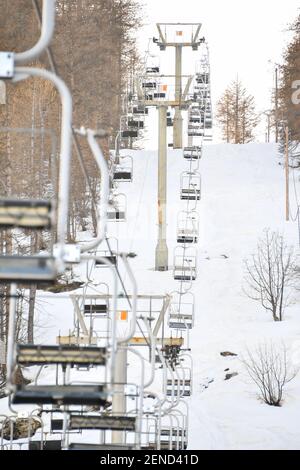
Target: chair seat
[(119, 423), (28, 269), (61, 395), (29, 355)]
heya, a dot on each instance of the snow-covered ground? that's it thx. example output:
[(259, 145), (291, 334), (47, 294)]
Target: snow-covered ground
[(242, 194)]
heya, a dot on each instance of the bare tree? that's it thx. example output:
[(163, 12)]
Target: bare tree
[(236, 114), (269, 368), (270, 273)]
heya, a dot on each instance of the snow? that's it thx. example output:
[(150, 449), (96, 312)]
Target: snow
[(242, 194)]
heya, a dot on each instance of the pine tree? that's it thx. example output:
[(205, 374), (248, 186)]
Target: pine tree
[(236, 114)]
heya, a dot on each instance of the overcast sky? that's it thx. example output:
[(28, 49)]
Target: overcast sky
[(243, 35)]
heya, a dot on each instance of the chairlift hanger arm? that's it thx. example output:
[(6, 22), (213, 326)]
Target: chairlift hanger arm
[(65, 145), (104, 193), (47, 30)]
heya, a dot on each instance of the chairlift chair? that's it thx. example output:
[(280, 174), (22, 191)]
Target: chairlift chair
[(123, 170), (182, 385), (181, 311), (25, 213), (177, 436), (105, 423), (117, 208), (39, 269), (185, 264), (140, 110), (159, 95), (129, 133), (151, 70), (203, 77), (61, 395), (96, 308), (149, 85), (135, 124), (36, 355), (190, 186), (192, 153), (195, 131), (187, 227)]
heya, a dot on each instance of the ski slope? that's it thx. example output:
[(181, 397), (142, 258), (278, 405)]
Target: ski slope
[(242, 194)]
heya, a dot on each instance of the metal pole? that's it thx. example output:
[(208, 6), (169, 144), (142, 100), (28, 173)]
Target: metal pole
[(177, 132), (161, 254), (119, 398), (287, 181), (47, 31), (65, 145), (10, 364)]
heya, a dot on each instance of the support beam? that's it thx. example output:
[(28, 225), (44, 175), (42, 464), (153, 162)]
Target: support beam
[(161, 316), (119, 398), (177, 134), (161, 255)]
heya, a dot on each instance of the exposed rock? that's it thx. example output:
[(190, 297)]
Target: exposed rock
[(228, 354), (229, 376)]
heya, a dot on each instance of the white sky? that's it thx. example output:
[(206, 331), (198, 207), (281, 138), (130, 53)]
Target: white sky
[(243, 35)]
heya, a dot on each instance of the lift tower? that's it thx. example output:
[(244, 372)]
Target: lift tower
[(178, 35), (162, 103)]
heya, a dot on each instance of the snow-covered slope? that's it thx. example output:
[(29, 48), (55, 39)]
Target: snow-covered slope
[(243, 193)]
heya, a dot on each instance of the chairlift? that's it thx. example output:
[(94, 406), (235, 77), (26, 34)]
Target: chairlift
[(187, 227), (182, 311), (123, 170), (177, 436), (129, 133), (94, 307), (195, 131), (149, 85), (117, 208), (190, 186), (140, 110), (135, 124), (25, 213), (152, 69), (159, 95), (181, 387), (203, 77), (185, 264), (194, 119)]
